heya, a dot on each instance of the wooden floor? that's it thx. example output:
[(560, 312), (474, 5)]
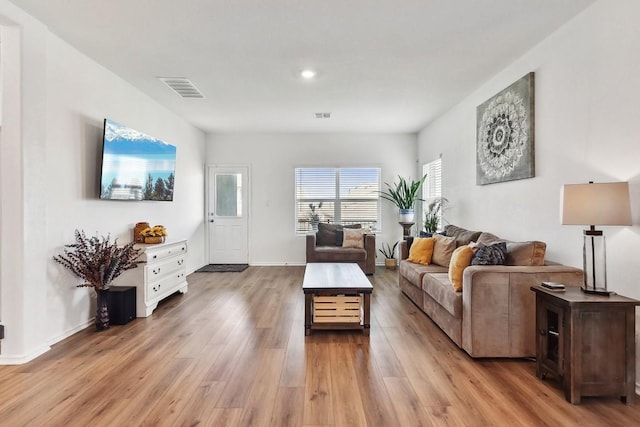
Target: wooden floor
[(232, 352)]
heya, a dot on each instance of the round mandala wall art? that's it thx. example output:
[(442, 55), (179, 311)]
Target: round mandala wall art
[(505, 143)]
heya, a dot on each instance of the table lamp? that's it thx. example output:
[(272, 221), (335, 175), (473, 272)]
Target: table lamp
[(595, 204)]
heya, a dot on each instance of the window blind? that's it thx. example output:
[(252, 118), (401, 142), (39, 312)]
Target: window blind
[(347, 195)]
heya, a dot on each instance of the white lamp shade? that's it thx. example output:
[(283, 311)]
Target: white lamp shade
[(596, 204)]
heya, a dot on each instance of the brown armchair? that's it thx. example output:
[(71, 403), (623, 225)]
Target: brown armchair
[(321, 247)]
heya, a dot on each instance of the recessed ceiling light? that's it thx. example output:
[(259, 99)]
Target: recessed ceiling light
[(308, 74)]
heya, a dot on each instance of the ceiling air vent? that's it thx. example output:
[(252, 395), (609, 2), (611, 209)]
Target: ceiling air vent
[(182, 87), (323, 115)]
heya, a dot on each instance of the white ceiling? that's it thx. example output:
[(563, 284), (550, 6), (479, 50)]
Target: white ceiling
[(384, 65)]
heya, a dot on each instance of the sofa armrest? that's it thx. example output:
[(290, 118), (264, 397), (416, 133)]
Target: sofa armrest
[(404, 246), (311, 247), (498, 307)]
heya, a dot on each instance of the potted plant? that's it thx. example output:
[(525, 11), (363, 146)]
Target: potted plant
[(389, 255), (404, 195), (315, 216), (154, 235), (98, 261), (432, 216)]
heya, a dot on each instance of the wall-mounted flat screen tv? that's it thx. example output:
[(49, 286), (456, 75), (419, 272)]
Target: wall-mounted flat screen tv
[(135, 166)]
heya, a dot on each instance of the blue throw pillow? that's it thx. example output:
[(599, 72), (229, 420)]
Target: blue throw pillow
[(495, 254)]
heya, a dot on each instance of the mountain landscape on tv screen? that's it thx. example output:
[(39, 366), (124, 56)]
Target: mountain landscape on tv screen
[(136, 166)]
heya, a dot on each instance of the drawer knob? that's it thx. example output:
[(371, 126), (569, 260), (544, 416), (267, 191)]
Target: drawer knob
[(156, 271)]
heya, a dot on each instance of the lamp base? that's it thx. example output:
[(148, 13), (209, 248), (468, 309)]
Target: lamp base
[(597, 291)]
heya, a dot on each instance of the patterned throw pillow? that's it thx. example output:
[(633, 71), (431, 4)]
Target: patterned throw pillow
[(340, 232), (353, 238), (495, 254)]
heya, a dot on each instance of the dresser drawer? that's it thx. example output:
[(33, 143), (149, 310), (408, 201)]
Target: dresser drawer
[(166, 251), (165, 286), (159, 270)]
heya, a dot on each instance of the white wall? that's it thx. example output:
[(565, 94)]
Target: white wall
[(55, 172), (273, 157), (587, 128)]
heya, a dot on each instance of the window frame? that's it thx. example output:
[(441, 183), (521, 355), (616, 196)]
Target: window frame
[(338, 200), (432, 186)]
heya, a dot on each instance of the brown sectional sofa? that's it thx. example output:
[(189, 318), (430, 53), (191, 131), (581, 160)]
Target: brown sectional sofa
[(325, 246), (494, 315)]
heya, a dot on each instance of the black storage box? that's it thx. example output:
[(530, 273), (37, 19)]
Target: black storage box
[(122, 304)]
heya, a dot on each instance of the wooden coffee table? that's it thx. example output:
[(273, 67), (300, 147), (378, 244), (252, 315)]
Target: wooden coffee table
[(336, 296)]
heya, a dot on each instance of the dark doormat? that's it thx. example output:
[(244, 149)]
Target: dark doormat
[(222, 268)]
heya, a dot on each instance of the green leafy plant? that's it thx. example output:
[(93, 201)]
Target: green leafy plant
[(433, 214), (388, 251), (97, 261), (404, 193)]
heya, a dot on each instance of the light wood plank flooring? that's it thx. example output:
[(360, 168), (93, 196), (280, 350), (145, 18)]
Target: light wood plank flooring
[(232, 352)]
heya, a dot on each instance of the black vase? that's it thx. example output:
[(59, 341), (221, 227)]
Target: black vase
[(102, 309)]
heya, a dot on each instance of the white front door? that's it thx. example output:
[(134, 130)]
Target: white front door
[(227, 214)]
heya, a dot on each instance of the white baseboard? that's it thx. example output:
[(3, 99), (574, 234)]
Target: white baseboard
[(24, 358), (276, 264), (69, 332)]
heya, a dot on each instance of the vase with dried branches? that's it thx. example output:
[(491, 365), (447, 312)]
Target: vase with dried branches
[(98, 261)]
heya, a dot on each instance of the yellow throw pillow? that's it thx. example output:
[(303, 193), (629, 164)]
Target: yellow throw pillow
[(421, 250), (460, 260), (353, 238)]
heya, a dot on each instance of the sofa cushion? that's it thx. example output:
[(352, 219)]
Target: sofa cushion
[(529, 253), (488, 238), (421, 250), (328, 234), (439, 287), (414, 272), (442, 250), (526, 253), (336, 254), (494, 254), (353, 238), (460, 260), (462, 235)]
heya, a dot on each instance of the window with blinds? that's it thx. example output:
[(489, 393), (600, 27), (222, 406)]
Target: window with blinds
[(432, 187), (337, 195)]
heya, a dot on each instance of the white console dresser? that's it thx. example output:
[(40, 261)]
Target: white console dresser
[(163, 273)]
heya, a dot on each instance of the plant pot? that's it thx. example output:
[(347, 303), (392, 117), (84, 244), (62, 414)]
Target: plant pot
[(137, 237), (406, 215), (102, 309), (154, 239), (390, 263)]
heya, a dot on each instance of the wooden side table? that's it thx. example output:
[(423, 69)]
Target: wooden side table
[(587, 342)]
